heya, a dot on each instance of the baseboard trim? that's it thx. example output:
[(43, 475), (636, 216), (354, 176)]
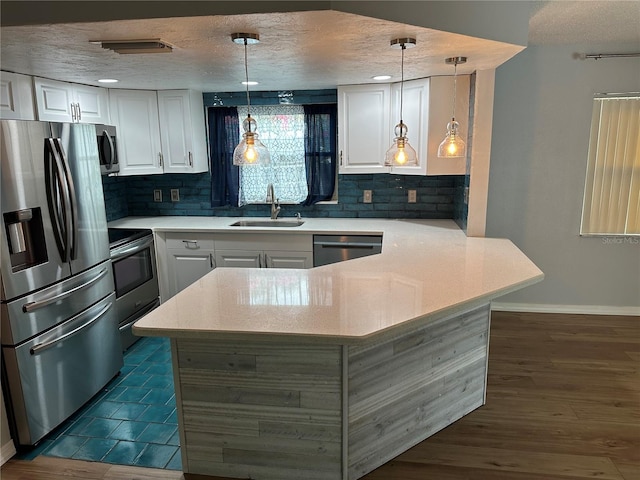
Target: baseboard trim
[(7, 451), (567, 309)]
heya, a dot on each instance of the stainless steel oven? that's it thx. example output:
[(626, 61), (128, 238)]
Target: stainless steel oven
[(135, 276)]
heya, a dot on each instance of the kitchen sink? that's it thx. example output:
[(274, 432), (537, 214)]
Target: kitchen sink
[(268, 223)]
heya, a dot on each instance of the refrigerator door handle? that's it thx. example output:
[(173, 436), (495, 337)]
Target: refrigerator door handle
[(55, 187), (36, 349), (71, 204), (31, 306)]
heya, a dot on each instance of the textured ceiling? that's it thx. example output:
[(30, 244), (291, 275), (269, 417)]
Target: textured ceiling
[(298, 50), (585, 22)]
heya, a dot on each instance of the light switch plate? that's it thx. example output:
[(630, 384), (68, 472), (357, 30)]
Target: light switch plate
[(411, 196), (157, 195), (366, 196), (175, 195)]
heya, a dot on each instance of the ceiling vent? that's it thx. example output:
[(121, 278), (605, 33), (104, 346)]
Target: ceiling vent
[(154, 45)]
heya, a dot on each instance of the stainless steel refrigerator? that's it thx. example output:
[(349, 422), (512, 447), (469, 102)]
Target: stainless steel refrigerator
[(59, 331)]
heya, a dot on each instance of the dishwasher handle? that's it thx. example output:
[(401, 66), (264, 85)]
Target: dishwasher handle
[(346, 245)]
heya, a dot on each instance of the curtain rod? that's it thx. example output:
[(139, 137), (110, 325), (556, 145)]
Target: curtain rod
[(597, 56)]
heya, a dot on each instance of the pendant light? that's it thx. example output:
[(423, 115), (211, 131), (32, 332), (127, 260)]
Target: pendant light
[(453, 146), (250, 150), (401, 153)]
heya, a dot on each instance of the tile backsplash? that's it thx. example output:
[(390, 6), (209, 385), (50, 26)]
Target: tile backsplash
[(437, 197)]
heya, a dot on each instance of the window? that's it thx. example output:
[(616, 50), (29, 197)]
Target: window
[(281, 128), (612, 188), (302, 144)]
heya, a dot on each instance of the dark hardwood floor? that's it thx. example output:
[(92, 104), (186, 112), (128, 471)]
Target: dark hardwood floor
[(563, 403)]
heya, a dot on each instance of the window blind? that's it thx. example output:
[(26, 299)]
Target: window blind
[(612, 189)]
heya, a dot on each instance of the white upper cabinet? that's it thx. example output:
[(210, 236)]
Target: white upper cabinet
[(367, 115), (135, 115), (415, 112), (159, 132), (16, 97), (440, 110), (363, 127), (70, 102), (182, 131)]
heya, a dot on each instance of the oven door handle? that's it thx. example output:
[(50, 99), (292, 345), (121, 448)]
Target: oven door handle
[(31, 306), (131, 248), (140, 314)]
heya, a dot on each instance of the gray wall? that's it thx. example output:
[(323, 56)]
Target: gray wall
[(543, 102)]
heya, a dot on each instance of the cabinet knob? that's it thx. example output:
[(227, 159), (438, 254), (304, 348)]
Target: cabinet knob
[(190, 159), (160, 158), (79, 110)]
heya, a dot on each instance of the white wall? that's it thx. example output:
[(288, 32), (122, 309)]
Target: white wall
[(542, 115)]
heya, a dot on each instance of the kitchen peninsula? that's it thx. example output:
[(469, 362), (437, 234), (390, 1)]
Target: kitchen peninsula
[(329, 372)]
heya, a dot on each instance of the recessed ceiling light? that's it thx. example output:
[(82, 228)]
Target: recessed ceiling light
[(108, 80), (381, 77), (250, 82)]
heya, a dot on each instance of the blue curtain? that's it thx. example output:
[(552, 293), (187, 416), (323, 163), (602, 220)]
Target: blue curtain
[(224, 135), (320, 151)]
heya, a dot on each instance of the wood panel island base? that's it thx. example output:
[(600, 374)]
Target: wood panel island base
[(329, 372), (291, 410)]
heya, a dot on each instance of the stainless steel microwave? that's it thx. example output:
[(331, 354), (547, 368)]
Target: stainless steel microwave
[(107, 149)]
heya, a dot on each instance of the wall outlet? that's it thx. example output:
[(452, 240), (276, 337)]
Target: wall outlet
[(366, 196), (411, 196), (157, 195), (175, 195)]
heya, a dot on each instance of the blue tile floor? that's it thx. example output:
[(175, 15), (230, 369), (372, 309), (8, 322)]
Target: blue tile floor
[(132, 421)]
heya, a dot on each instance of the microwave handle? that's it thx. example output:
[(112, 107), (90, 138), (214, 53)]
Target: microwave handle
[(109, 159)]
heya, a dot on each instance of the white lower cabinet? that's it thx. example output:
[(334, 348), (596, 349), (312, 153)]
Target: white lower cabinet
[(189, 256), (263, 259), (267, 250), (185, 257)]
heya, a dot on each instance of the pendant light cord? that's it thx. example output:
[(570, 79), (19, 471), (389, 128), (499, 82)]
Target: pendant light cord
[(455, 83), (402, 85), (246, 75)]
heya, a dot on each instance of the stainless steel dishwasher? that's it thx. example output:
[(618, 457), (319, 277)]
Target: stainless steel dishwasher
[(338, 248)]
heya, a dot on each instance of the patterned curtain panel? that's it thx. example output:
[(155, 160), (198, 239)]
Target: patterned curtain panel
[(281, 129), (223, 138), (320, 151)]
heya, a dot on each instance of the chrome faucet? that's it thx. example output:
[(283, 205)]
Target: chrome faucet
[(275, 205)]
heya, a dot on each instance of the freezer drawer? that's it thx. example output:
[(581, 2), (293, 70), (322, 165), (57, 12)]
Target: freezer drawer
[(52, 375), (30, 315)]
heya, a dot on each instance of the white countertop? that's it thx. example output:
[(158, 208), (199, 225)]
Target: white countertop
[(427, 269)]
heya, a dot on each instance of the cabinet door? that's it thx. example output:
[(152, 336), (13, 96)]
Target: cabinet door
[(440, 110), (135, 114), (415, 114), (182, 130), (364, 129), (186, 267), (93, 104), (175, 130), (289, 259), (239, 258), (16, 97), (54, 100)]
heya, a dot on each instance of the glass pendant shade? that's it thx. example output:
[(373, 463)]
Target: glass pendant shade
[(452, 146), (401, 153), (250, 150)]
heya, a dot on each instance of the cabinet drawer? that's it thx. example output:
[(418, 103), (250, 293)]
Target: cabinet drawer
[(264, 241), (189, 241)]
